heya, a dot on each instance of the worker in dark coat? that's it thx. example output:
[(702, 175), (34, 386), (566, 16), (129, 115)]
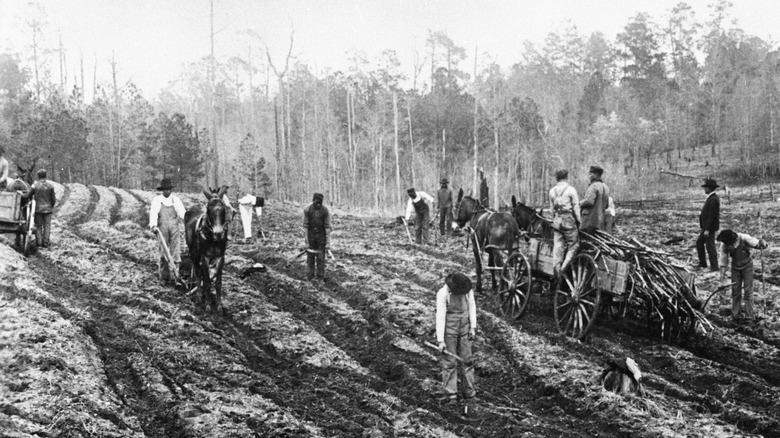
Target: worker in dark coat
[(316, 222), (736, 246), (709, 222), (594, 205), (45, 199), (484, 195), (444, 199)]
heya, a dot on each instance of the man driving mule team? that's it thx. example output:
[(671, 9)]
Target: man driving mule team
[(165, 214)]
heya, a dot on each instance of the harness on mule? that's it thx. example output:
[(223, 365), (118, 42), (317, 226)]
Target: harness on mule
[(473, 230)]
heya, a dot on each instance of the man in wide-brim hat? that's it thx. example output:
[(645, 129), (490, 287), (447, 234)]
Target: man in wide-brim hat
[(456, 325), (444, 199), (709, 223), (165, 215)]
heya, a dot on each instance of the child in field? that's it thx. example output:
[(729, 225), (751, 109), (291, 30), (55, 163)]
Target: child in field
[(456, 325)]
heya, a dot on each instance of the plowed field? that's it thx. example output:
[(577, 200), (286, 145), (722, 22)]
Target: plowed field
[(91, 344)]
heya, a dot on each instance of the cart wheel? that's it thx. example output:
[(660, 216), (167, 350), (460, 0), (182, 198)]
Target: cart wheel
[(577, 297), (516, 287)]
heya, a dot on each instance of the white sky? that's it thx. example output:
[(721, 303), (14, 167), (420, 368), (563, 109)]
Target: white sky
[(153, 39)]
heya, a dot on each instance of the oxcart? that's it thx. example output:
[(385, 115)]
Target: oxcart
[(17, 219), (592, 284)]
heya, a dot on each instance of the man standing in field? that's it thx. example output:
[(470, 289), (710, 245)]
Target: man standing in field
[(456, 327), (420, 203), (165, 215), (45, 199), (709, 222), (3, 169), (245, 205), (737, 247), (444, 200), (316, 222), (594, 204), (565, 205)]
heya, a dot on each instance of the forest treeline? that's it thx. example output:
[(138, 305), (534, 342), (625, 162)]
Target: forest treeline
[(643, 102)]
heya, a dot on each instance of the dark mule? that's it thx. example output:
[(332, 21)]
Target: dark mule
[(530, 220), (206, 235), (489, 231)]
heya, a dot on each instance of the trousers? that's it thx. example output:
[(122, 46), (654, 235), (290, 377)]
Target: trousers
[(317, 241), (42, 228), (742, 291), (421, 227), (456, 338), (708, 244)]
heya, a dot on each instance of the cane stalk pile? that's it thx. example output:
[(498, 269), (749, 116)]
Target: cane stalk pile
[(658, 282)]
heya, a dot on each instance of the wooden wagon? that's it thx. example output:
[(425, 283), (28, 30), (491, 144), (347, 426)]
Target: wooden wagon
[(17, 219), (589, 283)]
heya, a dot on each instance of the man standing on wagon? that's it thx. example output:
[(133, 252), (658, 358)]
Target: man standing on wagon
[(165, 215), (594, 204), (420, 203), (565, 205), (444, 196), (709, 222), (316, 222), (45, 199)]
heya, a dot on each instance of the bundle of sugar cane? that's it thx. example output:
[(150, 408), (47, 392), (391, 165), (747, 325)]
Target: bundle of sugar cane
[(660, 283)]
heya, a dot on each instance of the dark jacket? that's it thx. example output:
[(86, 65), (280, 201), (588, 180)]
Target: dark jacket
[(444, 198), (44, 197), (316, 220), (709, 219), (594, 205)]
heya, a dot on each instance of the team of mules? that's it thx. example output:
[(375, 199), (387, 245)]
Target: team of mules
[(206, 234)]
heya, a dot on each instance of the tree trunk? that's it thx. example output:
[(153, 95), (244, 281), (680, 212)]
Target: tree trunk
[(476, 130), (498, 164), (395, 147), (411, 137)]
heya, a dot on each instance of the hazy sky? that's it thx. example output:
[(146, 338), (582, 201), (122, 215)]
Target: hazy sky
[(153, 39)]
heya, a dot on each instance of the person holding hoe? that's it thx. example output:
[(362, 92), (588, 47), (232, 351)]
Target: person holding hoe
[(420, 203), (736, 246), (316, 222), (456, 325), (165, 215)]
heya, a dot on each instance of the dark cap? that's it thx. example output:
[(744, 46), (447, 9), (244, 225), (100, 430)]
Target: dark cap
[(444, 181), (458, 283), (709, 182), (318, 196), (561, 174), (596, 169), (41, 173), (165, 184), (411, 191), (727, 236)]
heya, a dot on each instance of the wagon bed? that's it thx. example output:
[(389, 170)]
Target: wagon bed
[(15, 219)]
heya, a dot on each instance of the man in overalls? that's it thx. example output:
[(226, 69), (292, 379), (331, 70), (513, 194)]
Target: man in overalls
[(565, 205), (737, 247), (421, 204), (456, 327), (316, 222), (165, 215)]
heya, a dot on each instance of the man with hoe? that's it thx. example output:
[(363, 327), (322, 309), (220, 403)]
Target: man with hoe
[(709, 222), (736, 246), (595, 202), (316, 222), (165, 214), (421, 204), (444, 199), (456, 326)]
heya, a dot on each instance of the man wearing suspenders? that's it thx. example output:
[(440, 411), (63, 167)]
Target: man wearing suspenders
[(565, 205)]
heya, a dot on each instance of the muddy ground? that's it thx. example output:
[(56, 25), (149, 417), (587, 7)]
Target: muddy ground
[(91, 344)]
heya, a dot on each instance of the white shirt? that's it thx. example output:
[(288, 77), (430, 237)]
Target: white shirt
[(159, 201), (410, 205), (442, 300)]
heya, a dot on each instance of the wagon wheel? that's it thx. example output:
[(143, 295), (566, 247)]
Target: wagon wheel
[(577, 297), (516, 287), (28, 236)]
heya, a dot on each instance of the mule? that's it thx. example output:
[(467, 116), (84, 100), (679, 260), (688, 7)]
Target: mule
[(530, 220), (489, 231), (206, 234)]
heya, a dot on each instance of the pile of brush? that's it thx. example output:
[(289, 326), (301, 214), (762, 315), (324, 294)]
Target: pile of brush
[(657, 281)]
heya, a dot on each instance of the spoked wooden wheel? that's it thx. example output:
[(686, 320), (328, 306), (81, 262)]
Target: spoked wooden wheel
[(577, 297), (515, 288)]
